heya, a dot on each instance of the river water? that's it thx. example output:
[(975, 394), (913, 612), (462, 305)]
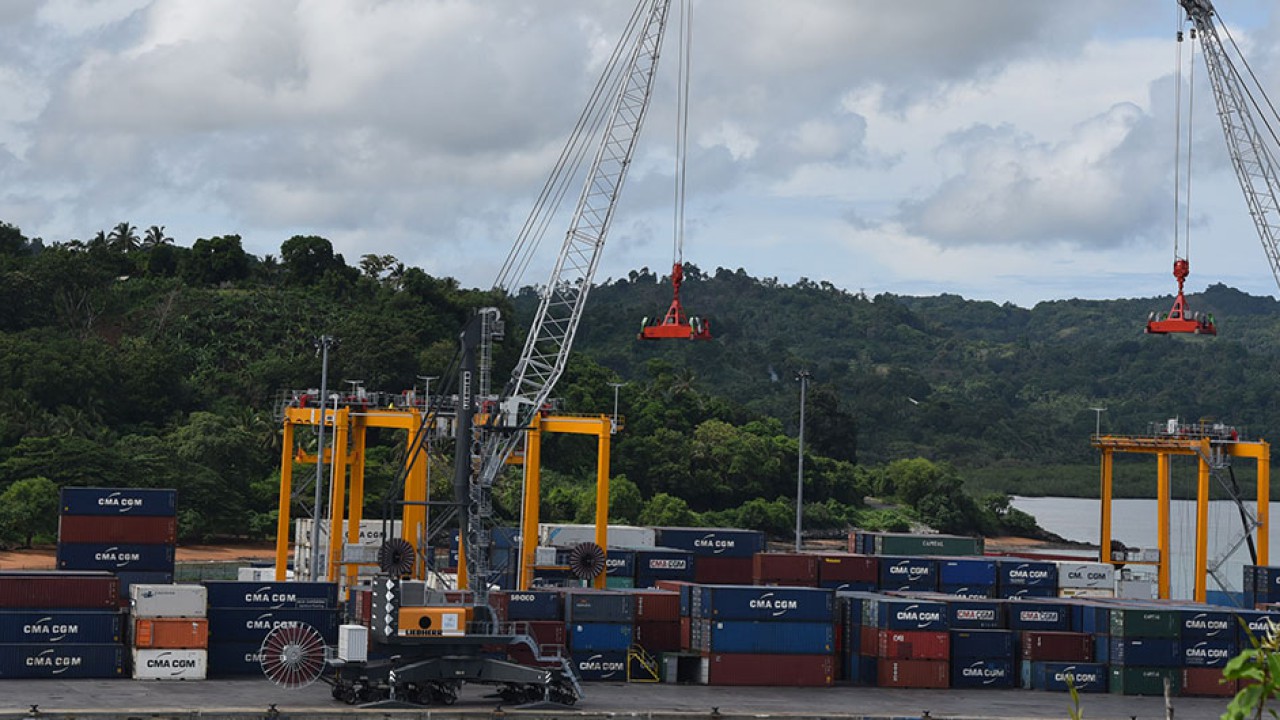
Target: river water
[(1133, 522)]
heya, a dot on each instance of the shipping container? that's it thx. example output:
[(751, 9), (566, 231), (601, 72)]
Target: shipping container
[(1086, 575), (908, 574), (1057, 647), (767, 638), (1145, 651), (512, 605), (272, 595), (658, 637), (719, 570), (1208, 653), (655, 605), (168, 601), (118, 529), (543, 632), (1146, 622), (597, 606), (628, 536), (146, 577), (252, 624), (1014, 592), (737, 602), (618, 563), (170, 664), (599, 636), (1015, 572), (983, 673), (1207, 682), (904, 614), (849, 586), (62, 661), (1253, 625), (235, 658), (975, 614), (72, 627), (912, 644), (1091, 616), (654, 564), (845, 568), (975, 592), (1061, 676), (993, 644), (118, 501), (712, 542), (973, 572), (1039, 616), (909, 544), (785, 569), (1199, 624), (170, 633), (115, 557), (859, 670), (600, 666), (46, 590), (913, 673), (1134, 680), (816, 670), (686, 594)]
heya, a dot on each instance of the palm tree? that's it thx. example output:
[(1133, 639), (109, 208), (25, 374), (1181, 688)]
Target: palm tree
[(99, 240), (124, 237), (155, 237)]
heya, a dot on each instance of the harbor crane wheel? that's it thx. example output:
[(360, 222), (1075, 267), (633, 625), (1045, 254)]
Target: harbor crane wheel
[(293, 656)]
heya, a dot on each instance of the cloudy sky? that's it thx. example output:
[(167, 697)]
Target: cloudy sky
[(1009, 150)]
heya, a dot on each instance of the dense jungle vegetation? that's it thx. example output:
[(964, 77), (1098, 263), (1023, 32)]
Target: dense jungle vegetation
[(129, 360)]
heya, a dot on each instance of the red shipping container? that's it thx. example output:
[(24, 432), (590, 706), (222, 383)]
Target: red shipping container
[(131, 529), (848, 568), (544, 632), (1040, 646), (364, 607), (913, 673), (913, 645), (657, 606), (43, 590), (171, 633), (709, 570), (686, 633), (869, 641), (1207, 682), (763, 670), (784, 569), (658, 637)]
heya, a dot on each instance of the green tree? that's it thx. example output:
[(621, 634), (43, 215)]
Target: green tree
[(667, 510), (123, 238), (306, 258), (216, 260), (29, 508)]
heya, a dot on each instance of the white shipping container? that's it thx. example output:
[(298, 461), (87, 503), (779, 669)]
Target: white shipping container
[(1086, 593), (170, 664), (370, 532), (623, 536), (353, 643), (168, 601), (1136, 589), (1086, 575)]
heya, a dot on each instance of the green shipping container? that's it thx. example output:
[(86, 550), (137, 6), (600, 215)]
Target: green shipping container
[(1127, 680), (1145, 622), (615, 583), (912, 545)]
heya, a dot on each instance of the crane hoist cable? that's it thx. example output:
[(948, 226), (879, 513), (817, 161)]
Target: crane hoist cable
[(675, 324)]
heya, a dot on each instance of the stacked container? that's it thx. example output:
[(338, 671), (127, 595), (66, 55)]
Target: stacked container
[(1261, 585), (60, 625), (131, 532), (169, 631), (1209, 639), (788, 569), (1086, 579), (909, 639), (537, 613), (655, 564), (746, 634), (1145, 650), (1058, 646), (908, 574), (598, 630), (241, 614), (1017, 578), (882, 543), (721, 556), (967, 577), (848, 572), (657, 626)]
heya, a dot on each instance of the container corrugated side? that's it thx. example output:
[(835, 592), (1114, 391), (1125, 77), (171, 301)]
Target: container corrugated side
[(600, 666), (913, 673), (654, 564), (168, 601), (1145, 651), (252, 625), (1199, 624), (658, 637), (1045, 616), (712, 542), (170, 633), (88, 590), (908, 573), (719, 570), (1133, 680), (1059, 676), (512, 605), (1025, 573), (768, 670), (983, 673), (768, 638), (975, 614), (738, 602), (996, 644), (1146, 622), (126, 529), (926, 544), (653, 605), (976, 572), (913, 644), (1058, 647), (228, 659), (115, 557), (72, 627), (1086, 575), (785, 569), (592, 606), (1207, 682), (599, 637), (62, 661), (118, 501), (1208, 653), (272, 595), (904, 614), (170, 664), (845, 568)]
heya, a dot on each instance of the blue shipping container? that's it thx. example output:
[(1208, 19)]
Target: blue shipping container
[(983, 673), (599, 637), (600, 666), (599, 606), (1256, 624), (905, 614), (749, 602), (1024, 573), (971, 614), (663, 564), (860, 670), (1039, 616), (908, 573), (272, 595), (993, 644), (535, 605), (73, 627), (1145, 652), (114, 557), (142, 578), (234, 658), (1102, 648), (252, 625), (1086, 677), (769, 638), (620, 563), (119, 501), (1091, 617), (1022, 593), (62, 661), (967, 571), (977, 592), (846, 586), (1199, 625), (720, 542), (1208, 653)]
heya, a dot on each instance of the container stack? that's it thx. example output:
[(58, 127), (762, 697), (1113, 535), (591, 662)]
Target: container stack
[(60, 625), (721, 556), (169, 632), (241, 614), (746, 634), (1209, 639), (1018, 578), (657, 626), (1086, 579), (131, 532), (1145, 650), (909, 639), (908, 574), (537, 613), (967, 577), (1261, 585), (598, 628)]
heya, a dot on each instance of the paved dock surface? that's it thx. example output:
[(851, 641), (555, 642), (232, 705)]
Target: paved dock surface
[(249, 700)]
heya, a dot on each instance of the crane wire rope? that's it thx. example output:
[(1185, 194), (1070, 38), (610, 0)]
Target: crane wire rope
[(1177, 146), (1191, 102), (1271, 130), (682, 125)]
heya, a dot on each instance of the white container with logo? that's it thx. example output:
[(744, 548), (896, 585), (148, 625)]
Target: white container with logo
[(168, 601), (1094, 575), (170, 664)]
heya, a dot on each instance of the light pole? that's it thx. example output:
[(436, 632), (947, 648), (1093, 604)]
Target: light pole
[(323, 344), (803, 376), (426, 392), (1097, 420), (614, 425)]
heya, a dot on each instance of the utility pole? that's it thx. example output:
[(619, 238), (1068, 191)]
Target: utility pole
[(323, 343), (803, 376), (613, 425), (1097, 420)]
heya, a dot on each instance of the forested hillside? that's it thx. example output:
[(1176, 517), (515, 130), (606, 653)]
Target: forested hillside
[(131, 360)]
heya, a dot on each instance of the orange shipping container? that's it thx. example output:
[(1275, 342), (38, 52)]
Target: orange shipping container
[(171, 633)]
